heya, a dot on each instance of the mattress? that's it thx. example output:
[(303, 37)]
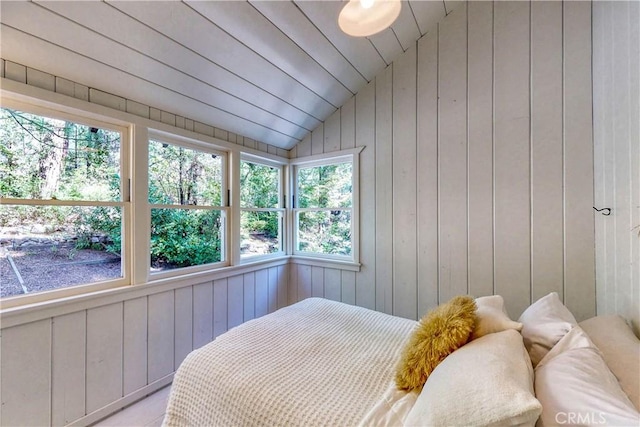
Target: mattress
[(317, 362)]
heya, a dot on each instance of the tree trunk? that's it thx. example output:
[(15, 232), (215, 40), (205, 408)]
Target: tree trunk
[(51, 165)]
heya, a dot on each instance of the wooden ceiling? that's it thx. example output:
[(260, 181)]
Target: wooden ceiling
[(268, 70)]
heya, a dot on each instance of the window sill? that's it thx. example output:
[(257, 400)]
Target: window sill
[(326, 263), (21, 314)]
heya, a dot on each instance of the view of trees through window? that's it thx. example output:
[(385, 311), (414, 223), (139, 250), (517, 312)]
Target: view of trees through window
[(62, 208), (187, 218), (61, 213), (323, 211), (260, 216)]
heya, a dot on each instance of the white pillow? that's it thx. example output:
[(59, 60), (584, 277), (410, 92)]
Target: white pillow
[(491, 317), (487, 382), (392, 408), (620, 350), (544, 323), (576, 387)]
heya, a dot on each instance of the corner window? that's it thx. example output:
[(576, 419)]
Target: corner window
[(325, 208), (62, 203), (187, 197), (261, 211)]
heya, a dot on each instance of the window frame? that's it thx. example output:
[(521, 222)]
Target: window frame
[(351, 262), (251, 158), (225, 207), (124, 203), (135, 133)]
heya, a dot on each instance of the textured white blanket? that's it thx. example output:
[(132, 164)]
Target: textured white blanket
[(316, 362)]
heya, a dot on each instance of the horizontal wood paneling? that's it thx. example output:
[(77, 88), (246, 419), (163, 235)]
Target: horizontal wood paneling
[(78, 366), (469, 180), (18, 72), (616, 100), (270, 70)]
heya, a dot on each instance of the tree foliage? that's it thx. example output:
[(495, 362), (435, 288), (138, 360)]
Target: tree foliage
[(183, 176), (259, 188), (329, 188), (45, 158)]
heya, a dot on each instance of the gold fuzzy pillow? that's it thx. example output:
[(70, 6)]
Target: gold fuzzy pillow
[(439, 333)]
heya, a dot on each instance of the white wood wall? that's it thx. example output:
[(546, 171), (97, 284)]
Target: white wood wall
[(477, 176), (22, 74), (66, 365), (80, 366), (616, 92)]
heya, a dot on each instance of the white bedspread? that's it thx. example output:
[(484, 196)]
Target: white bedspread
[(316, 362)]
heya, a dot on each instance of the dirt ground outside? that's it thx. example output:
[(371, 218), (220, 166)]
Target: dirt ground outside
[(44, 268), (53, 266)]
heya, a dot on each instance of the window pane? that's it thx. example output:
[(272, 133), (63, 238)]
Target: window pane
[(43, 158), (325, 186), (259, 232), (183, 176), (51, 247), (185, 237), (259, 185), (325, 232)]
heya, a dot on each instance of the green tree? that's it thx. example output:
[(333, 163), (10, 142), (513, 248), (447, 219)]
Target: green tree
[(328, 187)]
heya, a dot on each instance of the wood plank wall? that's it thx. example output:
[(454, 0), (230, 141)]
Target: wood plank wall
[(81, 366), (22, 74), (477, 176), (616, 92), (78, 367)]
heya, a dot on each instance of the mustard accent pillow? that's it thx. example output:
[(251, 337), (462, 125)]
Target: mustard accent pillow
[(438, 334)]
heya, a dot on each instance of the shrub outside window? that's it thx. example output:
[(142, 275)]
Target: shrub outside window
[(63, 201), (261, 211), (187, 206), (324, 209)]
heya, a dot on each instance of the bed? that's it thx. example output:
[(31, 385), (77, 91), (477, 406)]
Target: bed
[(317, 362), (324, 363)]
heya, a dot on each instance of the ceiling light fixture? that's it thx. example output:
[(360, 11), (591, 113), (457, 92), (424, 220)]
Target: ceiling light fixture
[(361, 18)]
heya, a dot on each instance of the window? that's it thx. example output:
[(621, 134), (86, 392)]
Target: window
[(188, 206), (62, 203), (261, 212), (73, 207), (325, 211)]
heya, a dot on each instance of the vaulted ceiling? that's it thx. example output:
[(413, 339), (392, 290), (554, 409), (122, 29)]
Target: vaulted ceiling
[(268, 70)]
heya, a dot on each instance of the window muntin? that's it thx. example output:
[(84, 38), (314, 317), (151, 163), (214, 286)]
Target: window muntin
[(261, 212), (61, 190), (323, 210), (186, 197)]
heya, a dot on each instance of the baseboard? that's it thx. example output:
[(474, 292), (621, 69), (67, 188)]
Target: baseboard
[(123, 402)]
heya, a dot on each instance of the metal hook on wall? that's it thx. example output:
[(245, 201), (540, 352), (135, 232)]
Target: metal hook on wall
[(603, 211)]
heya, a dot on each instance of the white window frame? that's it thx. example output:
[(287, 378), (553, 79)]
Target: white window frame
[(282, 238), (124, 204), (225, 206), (352, 261), (135, 133)]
